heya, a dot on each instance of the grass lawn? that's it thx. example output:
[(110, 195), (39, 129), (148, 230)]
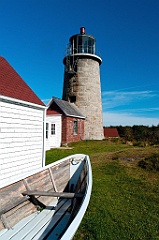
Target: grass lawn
[(125, 198)]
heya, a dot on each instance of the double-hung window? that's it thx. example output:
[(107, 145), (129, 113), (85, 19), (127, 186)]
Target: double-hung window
[(75, 127), (52, 129), (47, 130)]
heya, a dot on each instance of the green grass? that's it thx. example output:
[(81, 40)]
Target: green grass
[(125, 198), (121, 207), (85, 147)]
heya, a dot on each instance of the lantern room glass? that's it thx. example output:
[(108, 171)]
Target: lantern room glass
[(83, 44)]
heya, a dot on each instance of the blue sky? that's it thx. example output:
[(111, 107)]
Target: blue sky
[(33, 38)]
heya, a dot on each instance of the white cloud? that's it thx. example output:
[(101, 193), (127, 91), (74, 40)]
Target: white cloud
[(113, 99), (143, 110), (116, 119), (146, 93)]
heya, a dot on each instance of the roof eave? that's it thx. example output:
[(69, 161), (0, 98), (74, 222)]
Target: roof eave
[(21, 102), (76, 116)]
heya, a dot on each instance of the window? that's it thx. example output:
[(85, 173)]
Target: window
[(72, 99), (52, 129), (47, 130), (75, 127), (86, 44)]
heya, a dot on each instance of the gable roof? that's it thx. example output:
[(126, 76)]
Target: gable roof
[(12, 85), (110, 132), (69, 109), (52, 112)]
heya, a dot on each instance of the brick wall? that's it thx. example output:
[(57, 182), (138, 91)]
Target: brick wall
[(68, 130)]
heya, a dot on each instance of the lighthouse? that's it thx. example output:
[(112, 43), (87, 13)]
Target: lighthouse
[(82, 82)]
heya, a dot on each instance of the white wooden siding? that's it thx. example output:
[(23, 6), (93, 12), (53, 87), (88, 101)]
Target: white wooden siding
[(53, 140), (21, 141)]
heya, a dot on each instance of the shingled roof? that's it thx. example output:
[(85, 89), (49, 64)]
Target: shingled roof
[(69, 109), (12, 85)]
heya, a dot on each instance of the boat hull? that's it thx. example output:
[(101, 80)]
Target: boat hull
[(62, 188)]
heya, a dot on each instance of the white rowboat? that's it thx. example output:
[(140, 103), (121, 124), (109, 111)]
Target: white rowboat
[(49, 204)]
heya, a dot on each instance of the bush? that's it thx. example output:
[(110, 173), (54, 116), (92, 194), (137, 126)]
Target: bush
[(150, 163)]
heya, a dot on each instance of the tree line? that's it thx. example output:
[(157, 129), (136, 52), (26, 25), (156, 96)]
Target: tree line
[(139, 134)]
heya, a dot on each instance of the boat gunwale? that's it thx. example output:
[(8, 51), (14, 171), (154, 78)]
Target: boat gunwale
[(71, 230)]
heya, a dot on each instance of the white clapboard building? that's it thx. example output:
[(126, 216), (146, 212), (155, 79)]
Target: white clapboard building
[(22, 127), (53, 129)]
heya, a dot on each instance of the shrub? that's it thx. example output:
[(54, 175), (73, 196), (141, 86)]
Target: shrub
[(150, 163)]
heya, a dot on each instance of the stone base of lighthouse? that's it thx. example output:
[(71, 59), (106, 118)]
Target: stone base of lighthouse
[(85, 87)]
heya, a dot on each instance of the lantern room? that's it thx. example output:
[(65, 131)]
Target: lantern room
[(82, 43)]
